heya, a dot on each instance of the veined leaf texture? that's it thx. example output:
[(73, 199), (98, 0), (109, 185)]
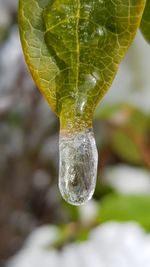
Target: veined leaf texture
[(73, 49)]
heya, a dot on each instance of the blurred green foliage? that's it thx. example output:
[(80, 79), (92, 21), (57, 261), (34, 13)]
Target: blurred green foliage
[(126, 208), (129, 129)]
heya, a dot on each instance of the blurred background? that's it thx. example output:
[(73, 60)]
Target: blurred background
[(37, 228)]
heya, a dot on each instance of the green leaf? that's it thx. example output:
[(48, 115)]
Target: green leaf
[(74, 48), (108, 110), (125, 147), (126, 140), (126, 208), (145, 23)]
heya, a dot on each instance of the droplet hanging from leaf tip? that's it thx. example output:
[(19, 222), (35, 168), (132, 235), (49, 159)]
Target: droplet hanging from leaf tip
[(78, 166)]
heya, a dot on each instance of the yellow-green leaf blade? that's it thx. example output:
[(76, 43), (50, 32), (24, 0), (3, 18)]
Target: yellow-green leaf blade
[(37, 56), (74, 48)]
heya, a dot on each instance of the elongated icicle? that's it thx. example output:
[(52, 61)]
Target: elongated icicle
[(78, 166)]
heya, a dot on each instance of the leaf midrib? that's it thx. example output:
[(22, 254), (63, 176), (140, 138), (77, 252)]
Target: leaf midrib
[(78, 42)]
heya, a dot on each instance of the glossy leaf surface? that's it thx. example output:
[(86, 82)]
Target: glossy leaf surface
[(74, 48), (145, 23)]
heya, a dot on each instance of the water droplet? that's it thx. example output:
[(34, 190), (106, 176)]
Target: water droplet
[(100, 31), (78, 166)]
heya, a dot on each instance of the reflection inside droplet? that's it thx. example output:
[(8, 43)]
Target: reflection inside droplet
[(78, 166)]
